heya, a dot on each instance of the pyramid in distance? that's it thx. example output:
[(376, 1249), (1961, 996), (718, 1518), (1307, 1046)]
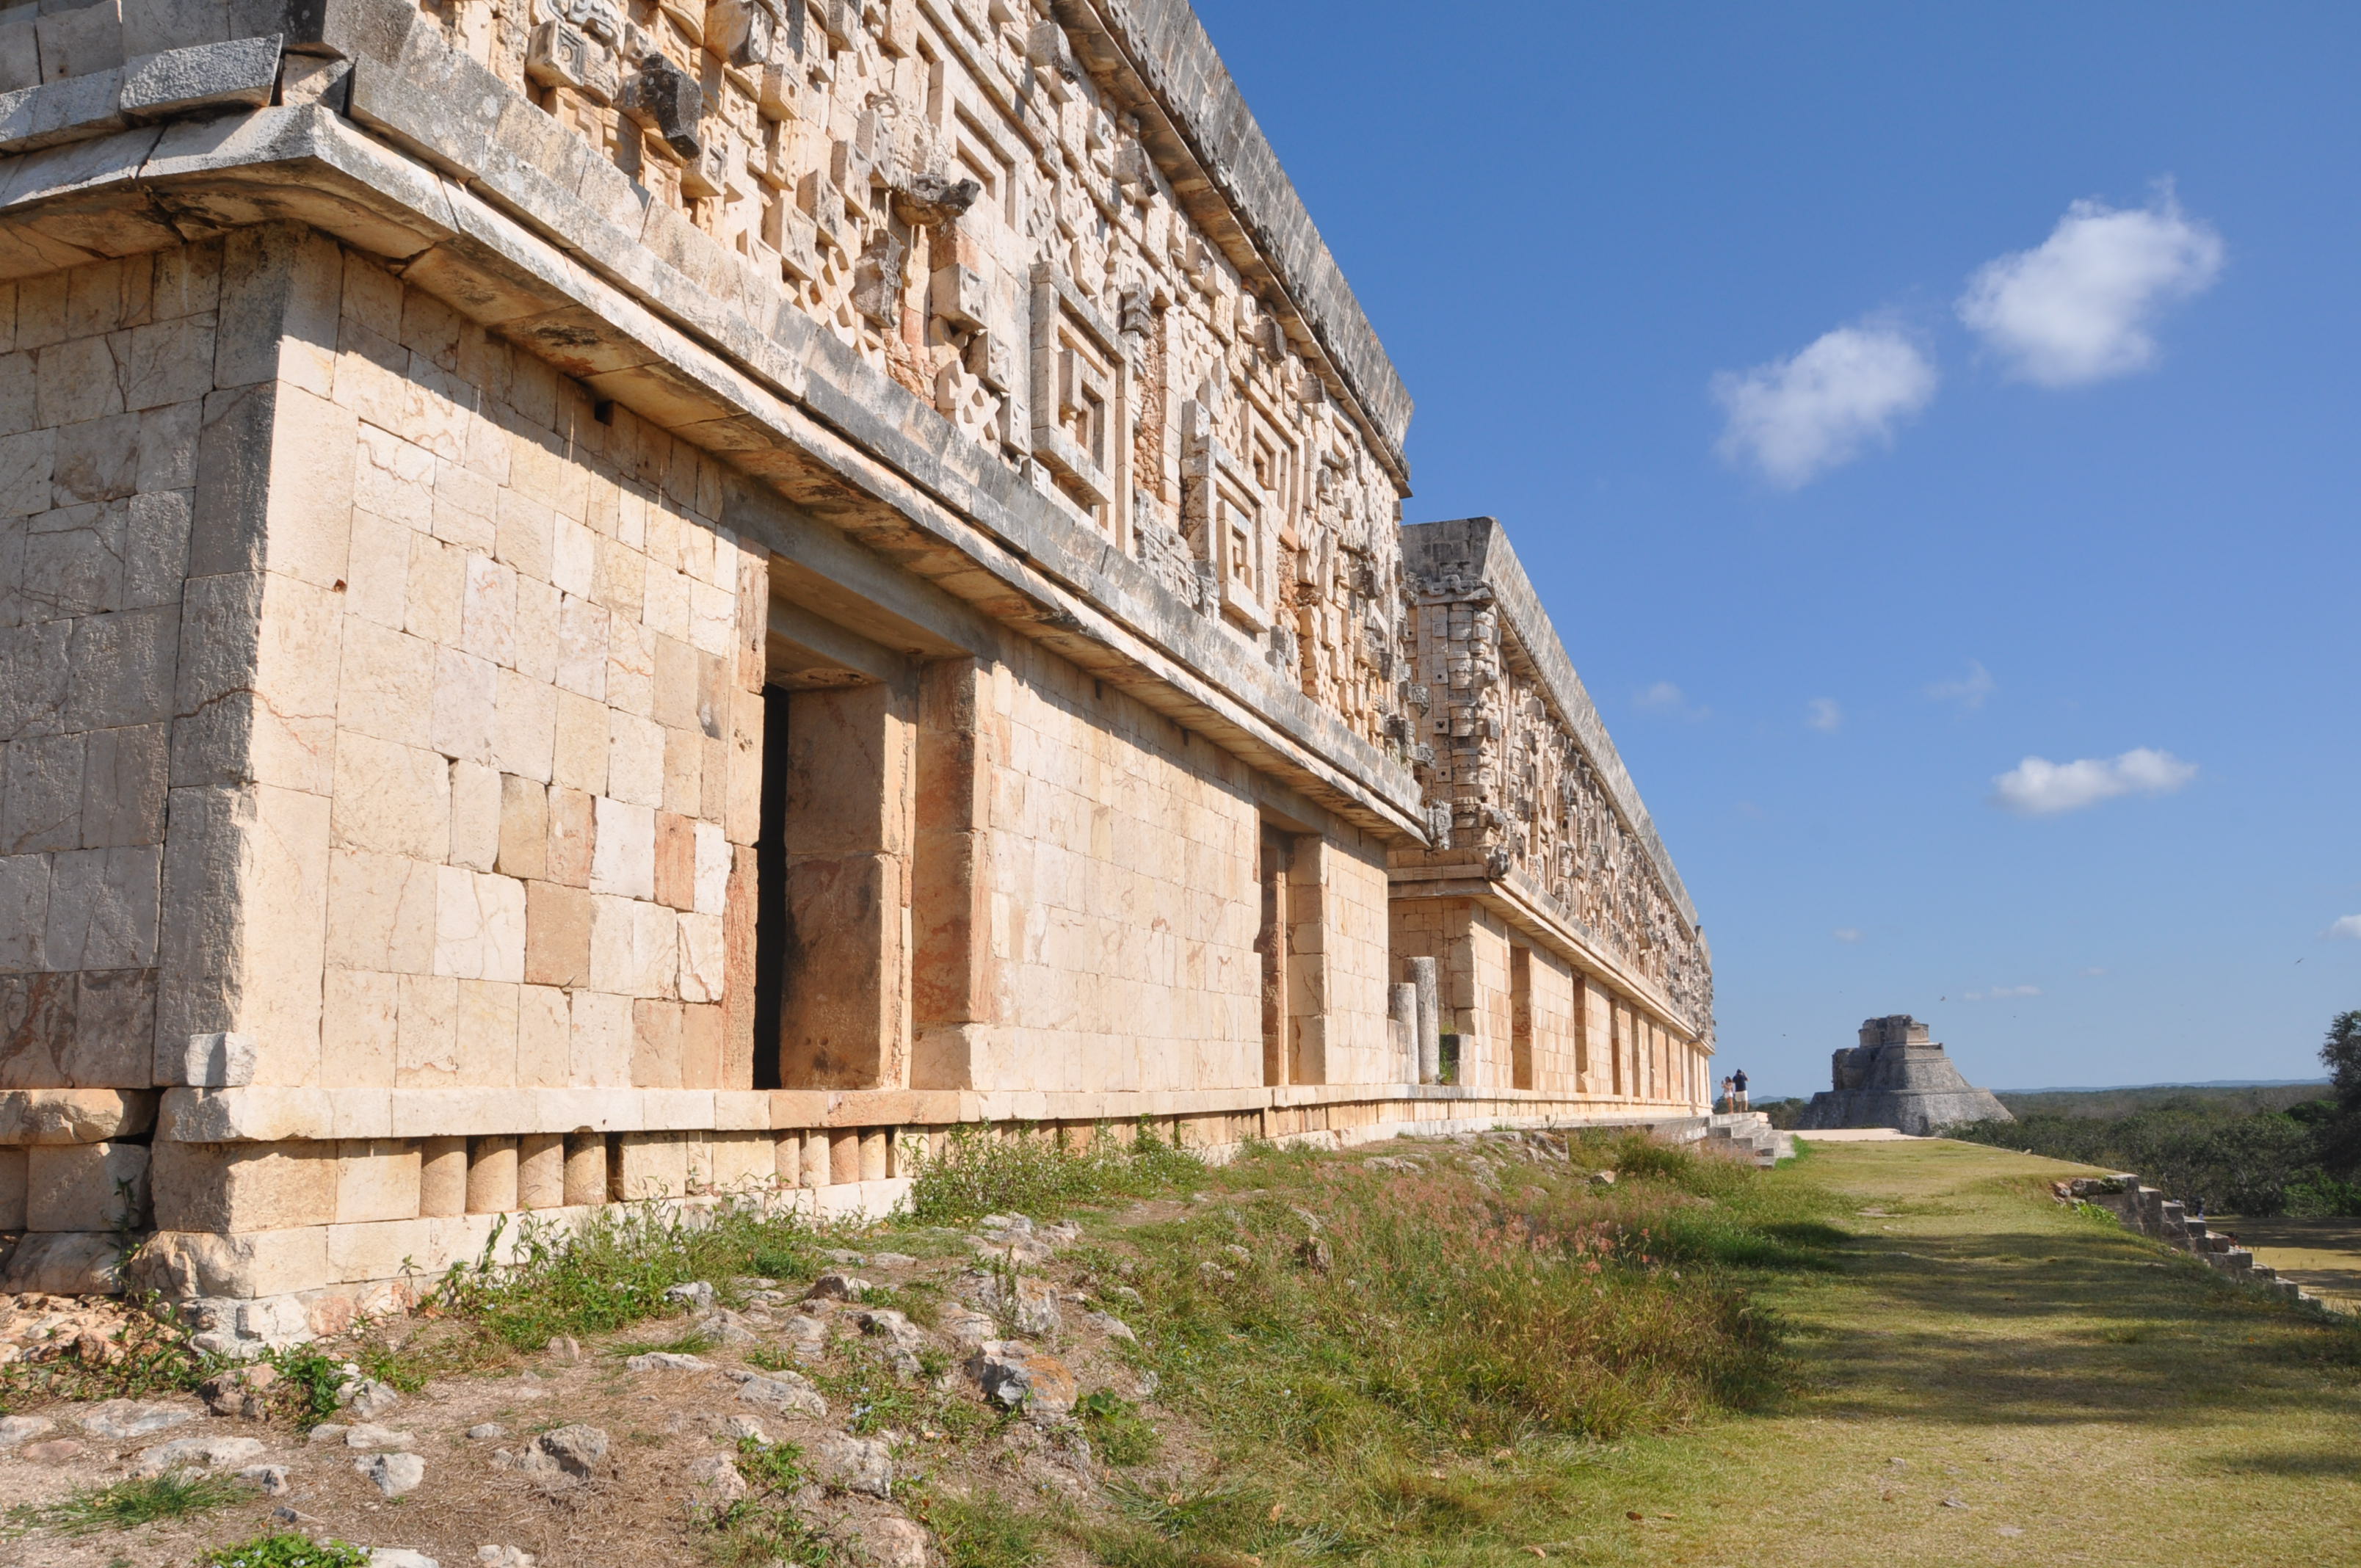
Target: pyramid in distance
[(1898, 1077)]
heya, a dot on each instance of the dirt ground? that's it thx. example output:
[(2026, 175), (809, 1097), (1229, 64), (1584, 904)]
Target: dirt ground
[(2322, 1255)]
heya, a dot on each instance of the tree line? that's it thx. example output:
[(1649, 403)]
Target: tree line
[(2302, 1160)]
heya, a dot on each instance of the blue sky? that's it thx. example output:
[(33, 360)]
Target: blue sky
[(1608, 246)]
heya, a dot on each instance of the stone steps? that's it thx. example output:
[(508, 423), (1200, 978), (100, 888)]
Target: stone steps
[(2149, 1211), (1751, 1131)]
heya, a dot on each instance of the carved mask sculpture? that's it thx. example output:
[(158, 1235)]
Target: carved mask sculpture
[(667, 102)]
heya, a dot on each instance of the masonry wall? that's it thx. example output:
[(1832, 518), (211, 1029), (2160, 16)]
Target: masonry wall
[(103, 392), (1124, 904)]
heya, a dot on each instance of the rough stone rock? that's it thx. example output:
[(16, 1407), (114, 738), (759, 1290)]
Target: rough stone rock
[(243, 1392), (1029, 1304), (714, 1482), (564, 1350), (726, 1327), (401, 1557), (196, 1453), (367, 1398), (572, 1451), (270, 1478), (845, 1259), (1213, 1273), (369, 1435), (807, 1336), (1313, 1251), (55, 1451), (394, 1474), (666, 1361), (506, 1557), (836, 1288), (891, 1260), (16, 1430), (852, 1464), (697, 1293), (483, 1431), (1017, 1376), (65, 1263), (904, 1339), (121, 1419), (890, 1544), (739, 1429), (780, 1391), (969, 1327), (1112, 1327)]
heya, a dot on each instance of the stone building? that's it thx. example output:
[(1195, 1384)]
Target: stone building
[(613, 600), (1898, 1077)]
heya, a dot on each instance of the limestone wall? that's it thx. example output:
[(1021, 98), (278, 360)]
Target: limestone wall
[(102, 393)]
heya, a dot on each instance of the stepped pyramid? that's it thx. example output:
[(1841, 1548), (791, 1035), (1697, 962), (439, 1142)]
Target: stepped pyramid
[(1898, 1077)]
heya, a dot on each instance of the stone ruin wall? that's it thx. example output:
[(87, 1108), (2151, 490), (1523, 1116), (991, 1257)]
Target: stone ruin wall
[(1526, 801), (944, 185)]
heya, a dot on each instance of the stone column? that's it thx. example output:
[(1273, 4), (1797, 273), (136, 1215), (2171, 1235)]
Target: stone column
[(1425, 979), (1401, 1019)]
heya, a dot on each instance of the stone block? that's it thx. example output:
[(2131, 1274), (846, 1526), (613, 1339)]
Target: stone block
[(703, 1040), (480, 924), (602, 1039), (392, 798), (540, 1170), (65, 1264), (524, 848), (244, 1266), (477, 816), (675, 861), (573, 836), (557, 934), (152, 26), (376, 1179), (227, 1188), (12, 1189), (73, 1115), (85, 1187), (380, 913), (545, 1034), (652, 1164), (443, 1177)]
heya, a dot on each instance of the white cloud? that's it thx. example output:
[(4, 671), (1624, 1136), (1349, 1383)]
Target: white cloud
[(2038, 787), (2348, 926), (2000, 993), (2078, 307), (1823, 715), (1665, 697), (1796, 418), (1846, 933), (1968, 691)]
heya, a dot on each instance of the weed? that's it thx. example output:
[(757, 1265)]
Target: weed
[(761, 1526), (770, 1360), (875, 1398), (614, 1271), (126, 1505), (152, 1353), (1116, 1429), (697, 1342), (978, 1532), (312, 1379), (286, 1550), (1020, 1170)]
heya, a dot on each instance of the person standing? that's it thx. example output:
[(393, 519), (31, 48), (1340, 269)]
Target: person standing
[(1728, 1104), (1738, 1089)]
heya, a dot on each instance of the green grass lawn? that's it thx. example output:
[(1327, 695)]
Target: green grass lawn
[(2083, 1395)]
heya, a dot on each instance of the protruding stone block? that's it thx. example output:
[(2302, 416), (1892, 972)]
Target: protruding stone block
[(85, 1187)]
